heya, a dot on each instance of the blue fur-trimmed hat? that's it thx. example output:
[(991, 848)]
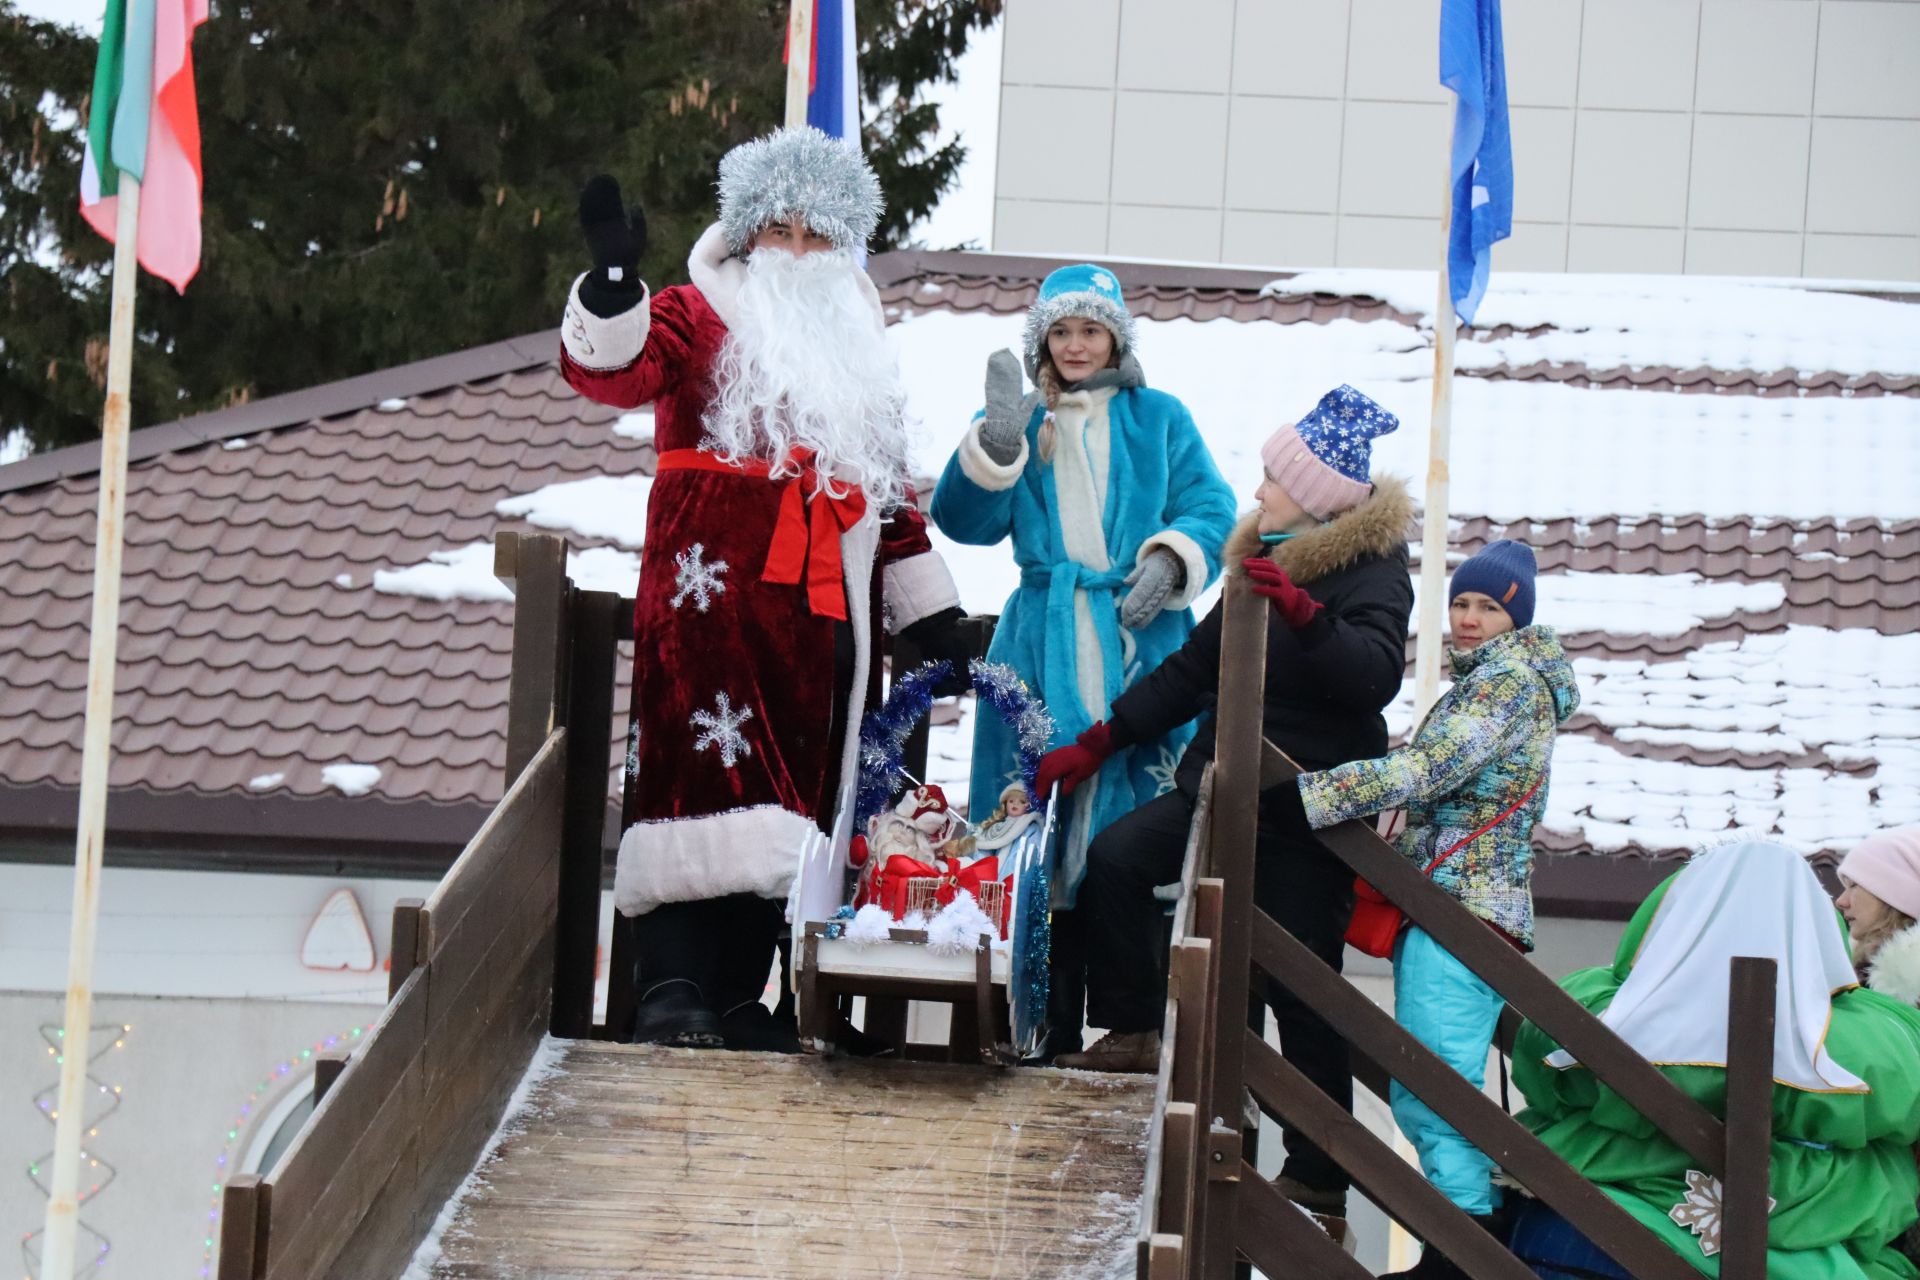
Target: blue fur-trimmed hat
[(1086, 291), (799, 173), (1504, 572)]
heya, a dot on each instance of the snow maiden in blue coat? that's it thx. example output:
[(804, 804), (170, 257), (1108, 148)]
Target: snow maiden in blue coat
[(1117, 514)]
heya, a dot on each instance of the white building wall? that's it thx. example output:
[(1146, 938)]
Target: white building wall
[(1748, 137), (204, 971)]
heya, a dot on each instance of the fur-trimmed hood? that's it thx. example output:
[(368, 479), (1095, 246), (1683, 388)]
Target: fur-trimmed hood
[(1895, 967), (1374, 528)]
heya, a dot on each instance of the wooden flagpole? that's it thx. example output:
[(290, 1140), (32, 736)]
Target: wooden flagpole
[(57, 1261), (1433, 522), (799, 61)]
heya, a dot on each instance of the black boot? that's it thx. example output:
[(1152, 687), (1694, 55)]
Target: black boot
[(1434, 1265), (672, 1013), (753, 1028)]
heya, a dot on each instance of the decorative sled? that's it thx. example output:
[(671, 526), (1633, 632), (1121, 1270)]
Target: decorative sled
[(908, 941)]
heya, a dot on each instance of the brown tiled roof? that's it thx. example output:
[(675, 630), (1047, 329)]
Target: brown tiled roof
[(252, 640), (242, 656)]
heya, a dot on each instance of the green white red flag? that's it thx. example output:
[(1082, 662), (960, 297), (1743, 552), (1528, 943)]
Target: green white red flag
[(145, 122)]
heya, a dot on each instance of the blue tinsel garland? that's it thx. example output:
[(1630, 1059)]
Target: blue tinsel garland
[(883, 737), (1001, 688)]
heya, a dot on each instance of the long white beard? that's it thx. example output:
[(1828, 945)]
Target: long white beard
[(806, 365)]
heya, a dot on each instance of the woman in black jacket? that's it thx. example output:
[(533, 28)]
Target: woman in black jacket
[(1328, 548)]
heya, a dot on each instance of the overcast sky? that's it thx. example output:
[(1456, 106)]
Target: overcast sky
[(75, 13)]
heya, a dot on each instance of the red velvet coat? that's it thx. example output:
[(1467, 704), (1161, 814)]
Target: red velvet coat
[(732, 746)]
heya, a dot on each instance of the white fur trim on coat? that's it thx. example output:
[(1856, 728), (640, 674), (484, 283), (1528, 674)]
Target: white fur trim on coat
[(1895, 970), (605, 342), (754, 850), (977, 465), (916, 587), (1192, 559)]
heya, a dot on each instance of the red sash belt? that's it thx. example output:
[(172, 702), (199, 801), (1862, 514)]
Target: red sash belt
[(806, 534)]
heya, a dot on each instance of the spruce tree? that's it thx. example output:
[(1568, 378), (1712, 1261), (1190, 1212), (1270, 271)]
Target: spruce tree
[(386, 183)]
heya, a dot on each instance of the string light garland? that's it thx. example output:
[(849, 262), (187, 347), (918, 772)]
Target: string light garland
[(246, 1114), (102, 1100)]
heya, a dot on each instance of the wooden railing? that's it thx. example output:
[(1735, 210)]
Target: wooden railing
[(500, 953), (1208, 1211)]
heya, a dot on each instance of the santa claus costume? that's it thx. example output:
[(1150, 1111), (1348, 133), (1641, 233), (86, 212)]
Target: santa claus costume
[(779, 532)]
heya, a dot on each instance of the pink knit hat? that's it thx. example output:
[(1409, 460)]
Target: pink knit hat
[(1323, 460), (1887, 865)]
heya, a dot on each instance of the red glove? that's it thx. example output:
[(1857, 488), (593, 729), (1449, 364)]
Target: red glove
[(1071, 766), (1295, 607)]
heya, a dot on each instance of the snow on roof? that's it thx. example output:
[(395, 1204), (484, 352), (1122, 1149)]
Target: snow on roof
[(1683, 321)]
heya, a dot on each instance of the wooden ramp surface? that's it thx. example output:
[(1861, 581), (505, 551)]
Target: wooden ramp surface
[(641, 1161)]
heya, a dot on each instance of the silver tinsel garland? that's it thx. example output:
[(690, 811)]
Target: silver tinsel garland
[(802, 173)]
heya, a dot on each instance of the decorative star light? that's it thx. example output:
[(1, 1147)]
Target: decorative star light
[(720, 728), (697, 577)]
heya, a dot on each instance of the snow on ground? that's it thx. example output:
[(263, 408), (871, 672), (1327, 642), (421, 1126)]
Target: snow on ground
[(1606, 321), (351, 779), (544, 1066), (637, 425)]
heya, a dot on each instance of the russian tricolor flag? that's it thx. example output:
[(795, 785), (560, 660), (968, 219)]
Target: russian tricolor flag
[(833, 98)]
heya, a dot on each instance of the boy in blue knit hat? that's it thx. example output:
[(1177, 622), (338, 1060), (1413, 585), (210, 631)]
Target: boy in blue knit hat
[(1473, 781)]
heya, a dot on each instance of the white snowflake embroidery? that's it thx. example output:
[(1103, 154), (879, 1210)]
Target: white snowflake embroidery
[(697, 577), (721, 728), (1700, 1211), (1162, 773), (1101, 280)]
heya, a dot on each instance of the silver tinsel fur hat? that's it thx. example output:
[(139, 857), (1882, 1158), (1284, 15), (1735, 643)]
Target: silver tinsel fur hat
[(803, 173)]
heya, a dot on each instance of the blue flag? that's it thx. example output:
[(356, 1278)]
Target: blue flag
[(1474, 65), (833, 107)]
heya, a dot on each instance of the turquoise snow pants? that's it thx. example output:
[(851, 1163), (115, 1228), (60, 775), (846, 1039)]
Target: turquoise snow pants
[(1453, 1013)]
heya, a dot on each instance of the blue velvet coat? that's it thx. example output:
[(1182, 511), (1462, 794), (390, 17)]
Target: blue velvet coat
[(1102, 480)]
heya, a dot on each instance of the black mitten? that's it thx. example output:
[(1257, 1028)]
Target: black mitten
[(943, 635), (616, 237)]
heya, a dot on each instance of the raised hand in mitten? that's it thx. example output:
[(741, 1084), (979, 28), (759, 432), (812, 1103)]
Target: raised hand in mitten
[(1153, 582), (1004, 428), (1073, 764), (616, 237), (1295, 607)]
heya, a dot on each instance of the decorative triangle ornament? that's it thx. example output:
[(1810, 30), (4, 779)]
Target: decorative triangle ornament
[(338, 937)]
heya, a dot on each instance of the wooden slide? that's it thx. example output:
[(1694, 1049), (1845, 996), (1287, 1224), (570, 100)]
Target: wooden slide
[(637, 1161)]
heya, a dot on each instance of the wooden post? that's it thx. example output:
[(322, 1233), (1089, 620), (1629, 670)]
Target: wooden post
[(1243, 667), (536, 564), (799, 61), (589, 682), (63, 1197), (1433, 520), (1745, 1202), (403, 951), (327, 1067), (244, 1219)]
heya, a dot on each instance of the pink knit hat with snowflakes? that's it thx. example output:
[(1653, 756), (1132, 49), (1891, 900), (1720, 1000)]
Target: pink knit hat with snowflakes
[(1887, 865), (1324, 460)]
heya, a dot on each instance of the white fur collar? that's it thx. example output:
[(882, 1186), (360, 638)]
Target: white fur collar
[(718, 276), (1895, 969)]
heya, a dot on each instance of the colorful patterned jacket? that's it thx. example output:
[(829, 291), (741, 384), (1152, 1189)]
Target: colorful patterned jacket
[(1485, 743)]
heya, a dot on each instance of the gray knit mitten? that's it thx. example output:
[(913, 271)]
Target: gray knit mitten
[(1004, 428), (1153, 580)]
